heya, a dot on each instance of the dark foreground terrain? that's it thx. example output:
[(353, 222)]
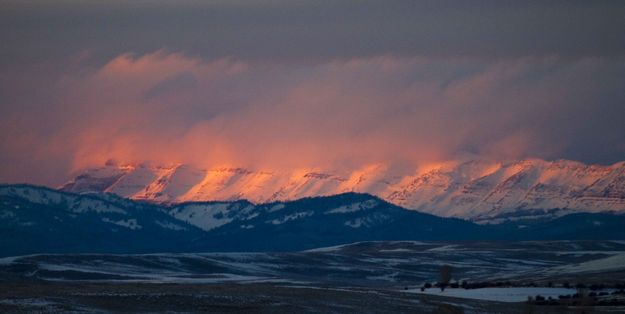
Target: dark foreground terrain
[(374, 277), (52, 297)]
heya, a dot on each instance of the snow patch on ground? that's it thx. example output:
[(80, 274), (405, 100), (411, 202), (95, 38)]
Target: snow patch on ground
[(356, 223), (451, 247), (385, 277), (170, 225), (129, 223), (204, 216), (29, 302), (91, 205), (516, 294), (276, 207), (290, 217), (9, 260), (395, 251), (328, 249), (609, 263), (6, 214), (353, 207)]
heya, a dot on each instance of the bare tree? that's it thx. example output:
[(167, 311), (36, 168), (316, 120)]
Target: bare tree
[(444, 276)]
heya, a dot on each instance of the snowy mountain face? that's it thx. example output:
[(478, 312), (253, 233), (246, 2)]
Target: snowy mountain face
[(478, 190)]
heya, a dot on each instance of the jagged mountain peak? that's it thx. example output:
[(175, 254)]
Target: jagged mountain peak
[(475, 189)]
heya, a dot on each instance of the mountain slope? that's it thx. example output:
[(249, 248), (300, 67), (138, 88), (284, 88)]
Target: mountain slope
[(478, 190), (37, 219), (577, 226), (41, 220), (323, 221)]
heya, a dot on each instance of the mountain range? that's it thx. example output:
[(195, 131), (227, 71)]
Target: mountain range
[(476, 190), (36, 219)]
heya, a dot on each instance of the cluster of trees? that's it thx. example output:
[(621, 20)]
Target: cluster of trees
[(577, 300), (593, 287), (583, 298), (468, 285), (444, 281), (596, 297)]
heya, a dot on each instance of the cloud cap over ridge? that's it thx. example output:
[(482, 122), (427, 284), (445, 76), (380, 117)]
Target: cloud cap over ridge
[(307, 84)]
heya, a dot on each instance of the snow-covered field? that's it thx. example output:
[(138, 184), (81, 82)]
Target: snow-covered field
[(382, 276), (509, 294), (390, 263)]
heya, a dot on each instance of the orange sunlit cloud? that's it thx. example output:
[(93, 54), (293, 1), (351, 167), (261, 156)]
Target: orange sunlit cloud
[(344, 114)]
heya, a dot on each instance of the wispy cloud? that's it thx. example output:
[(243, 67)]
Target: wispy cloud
[(307, 83), (169, 107)]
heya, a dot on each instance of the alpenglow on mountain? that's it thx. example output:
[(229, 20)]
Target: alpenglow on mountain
[(477, 190)]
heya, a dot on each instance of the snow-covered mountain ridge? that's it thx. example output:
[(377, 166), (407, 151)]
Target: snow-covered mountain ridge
[(477, 190)]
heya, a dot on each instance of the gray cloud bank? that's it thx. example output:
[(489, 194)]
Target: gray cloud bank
[(303, 84)]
